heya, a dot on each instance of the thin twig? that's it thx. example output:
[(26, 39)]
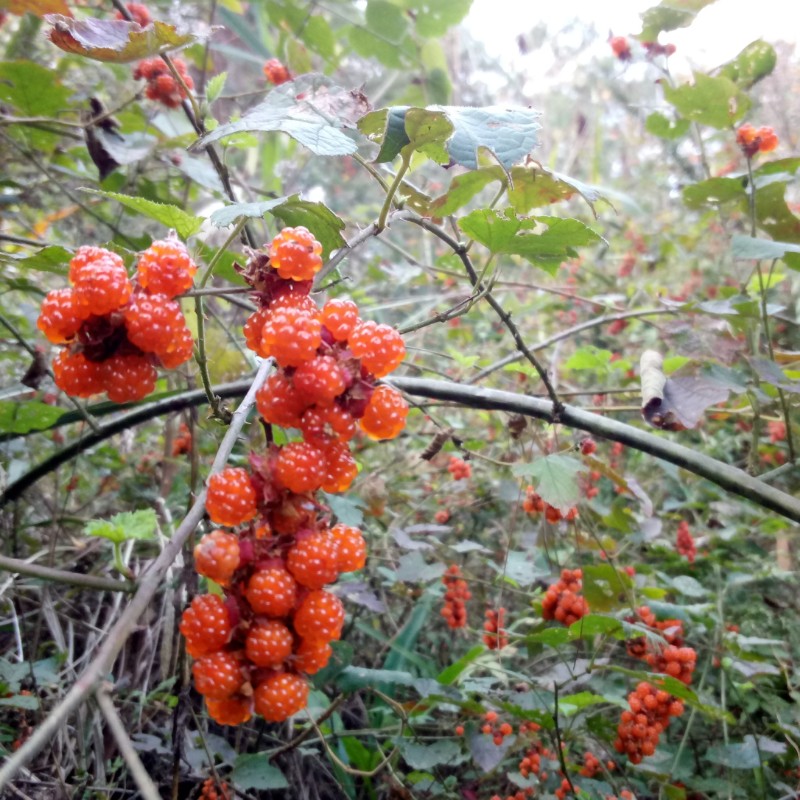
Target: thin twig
[(147, 788), (21, 567), (149, 584)]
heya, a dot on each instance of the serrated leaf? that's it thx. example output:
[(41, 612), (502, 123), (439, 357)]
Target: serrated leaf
[(554, 478), (664, 127), (317, 217), (139, 525), (32, 89), (714, 192), (606, 588), (751, 248), (580, 700), (223, 217), (533, 187), (508, 133), (463, 188), (312, 109), (425, 756), (589, 357), (169, 216), (28, 416), (450, 674), (668, 16), (755, 62), (594, 625), (113, 40), (215, 86), (254, 771), (53, 259), (717, 102)]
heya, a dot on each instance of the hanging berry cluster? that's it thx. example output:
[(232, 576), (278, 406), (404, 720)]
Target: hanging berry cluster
[(161, 84), (684, 542), (117, 331), (459, 468), (534, 504), (673, 657), (641, 727), (752, 140), (456, 595), (494, 632), (255, 648), (562, 601)]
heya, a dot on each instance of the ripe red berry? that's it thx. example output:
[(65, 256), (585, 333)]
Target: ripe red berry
[(276, 72), (295, 254), (217, 675), (340, 317), (234, 710), (324, 424), (320, 379), (380, 347), (231, 498), (153, 322), (291, 335), (166, 268), (183, 344), (311, 657), (279, 403), (100, 280), (128, 377), (340, 468), (385, 416), (76, 375), (253, 329), (216, 556), (272, 591), (139, 12), (280, 696), (206, 625), (320, 617), (269, 643), (313, 561), (300, 467), (351, 548), (61, 316)]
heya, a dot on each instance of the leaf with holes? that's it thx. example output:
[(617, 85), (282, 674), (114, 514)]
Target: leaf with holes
[(717, 102), (755, 62)]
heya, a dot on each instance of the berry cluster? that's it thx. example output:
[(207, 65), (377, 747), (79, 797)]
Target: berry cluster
[(591, 765), (161, 84), (459, 469), (620, 47), (753, 140), (329, 360), (531, 763), (534, 504), (641, 727), (684, 542), (275, 625), (654, 49), (139, 12), (494, 632), (116, 331), (211, 790), (671, 658), (456, 595), (276, 72), (563, 602), (496, 729)]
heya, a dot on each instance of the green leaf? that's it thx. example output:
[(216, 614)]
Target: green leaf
[(755, 62), (668, 16), (53, 259), (386, 20), (717, 102), (223, 217), (139, 525), (311, 109), (536, 186), (555, 479), (427, 133), (589, 357), (318, 36), (169, 216), (774, 216), (449, 675), (215, 86), (508, 133), (32, 90), (28, 416), (433, 17), (606, 588), (352, 678), (664, 127), (750, 248), (689, 586), (426, 756), (254, 771), (594, 625), (740, 755), (112, 40), (28, 702), (406, 639), (580, 700), (463, 188), (713, 192), (317, 217)]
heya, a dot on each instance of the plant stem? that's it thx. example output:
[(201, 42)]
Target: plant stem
[(20, 567), (387, 203)]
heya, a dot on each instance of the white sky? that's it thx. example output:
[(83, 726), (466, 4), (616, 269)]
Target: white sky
[(718, 33)]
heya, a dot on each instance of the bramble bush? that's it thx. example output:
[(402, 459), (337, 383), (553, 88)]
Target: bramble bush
[(443, 447)]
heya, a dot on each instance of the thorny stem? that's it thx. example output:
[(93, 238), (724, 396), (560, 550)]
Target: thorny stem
[(218, 410), (209, 270), (461, 251), (149, 584)]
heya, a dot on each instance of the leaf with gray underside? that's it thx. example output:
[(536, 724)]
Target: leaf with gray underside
[(312, 109), (771, 373)]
